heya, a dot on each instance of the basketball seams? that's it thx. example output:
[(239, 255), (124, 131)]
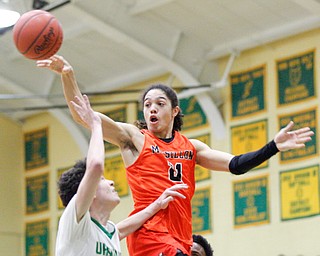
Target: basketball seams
[(17, 37), (57, 43), (39, 35)]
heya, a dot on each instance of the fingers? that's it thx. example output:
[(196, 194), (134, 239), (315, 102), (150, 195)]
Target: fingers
[(303, 131), (179, 186), (172, 191), (54, 63), (80, 103), (288, 127), (301, 141)]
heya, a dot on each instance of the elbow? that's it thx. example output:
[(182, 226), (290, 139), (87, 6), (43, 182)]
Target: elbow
[(236, 168)]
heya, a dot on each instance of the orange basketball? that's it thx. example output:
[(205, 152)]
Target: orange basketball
[(37, 35)]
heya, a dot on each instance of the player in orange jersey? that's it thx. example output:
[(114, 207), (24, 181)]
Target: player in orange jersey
[(157, 155)]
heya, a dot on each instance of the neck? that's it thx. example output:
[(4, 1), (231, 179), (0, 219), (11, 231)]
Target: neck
[(101, 217)]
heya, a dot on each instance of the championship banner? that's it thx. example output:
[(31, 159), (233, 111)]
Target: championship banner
[(249, 137), (115, 170), (200, 172), (201, 214), (36, 149), (118, 115), (248, 92), (37, 238), (296, 81), (251, 204), (194, 117), (37, 192), (306, 118), (300, 193)]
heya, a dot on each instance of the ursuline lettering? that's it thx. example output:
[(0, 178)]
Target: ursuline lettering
[(103, 249)]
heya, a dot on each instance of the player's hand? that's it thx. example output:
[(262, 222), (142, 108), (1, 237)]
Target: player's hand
[(286, 139), (170, 194), (85, 112), (55, 63)]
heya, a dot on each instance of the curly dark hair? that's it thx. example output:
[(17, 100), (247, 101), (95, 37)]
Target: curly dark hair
[(204, 243), (172, 96), (70, 180)]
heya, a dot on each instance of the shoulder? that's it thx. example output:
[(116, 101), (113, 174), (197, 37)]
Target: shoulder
[(131, 129)]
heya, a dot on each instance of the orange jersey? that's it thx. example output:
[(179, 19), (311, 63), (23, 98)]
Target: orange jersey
[(159, 166)]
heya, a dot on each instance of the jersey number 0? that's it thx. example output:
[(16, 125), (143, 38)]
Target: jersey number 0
[(175, 172)]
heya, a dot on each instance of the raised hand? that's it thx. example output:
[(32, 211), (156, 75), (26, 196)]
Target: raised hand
[(55, 63), (286, 139), (84, 111)]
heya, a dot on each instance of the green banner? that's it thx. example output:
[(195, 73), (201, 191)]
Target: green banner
[(201, 205), (251, 206), (36, 149), (194, 117), (296, 78), (37, 238), (306, 118), (248, 92), (300, 193), (37, 192)]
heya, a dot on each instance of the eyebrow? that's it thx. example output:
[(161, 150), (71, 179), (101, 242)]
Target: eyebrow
[(160, 97)]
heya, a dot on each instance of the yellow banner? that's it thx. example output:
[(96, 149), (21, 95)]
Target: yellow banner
[(300, 193), (115, 170), (200, 172), (249, 137)]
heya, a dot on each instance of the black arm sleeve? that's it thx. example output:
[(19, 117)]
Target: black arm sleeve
[(242, 163)]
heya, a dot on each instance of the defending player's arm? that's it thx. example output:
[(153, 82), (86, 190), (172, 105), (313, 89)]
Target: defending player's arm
[(240, 164), (132, 223), (95, 156)]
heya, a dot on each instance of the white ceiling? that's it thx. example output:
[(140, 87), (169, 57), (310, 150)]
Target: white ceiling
[(114, 43)]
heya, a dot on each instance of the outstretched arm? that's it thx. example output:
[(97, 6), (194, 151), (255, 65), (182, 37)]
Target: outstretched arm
[(132, 223), (71, 89), (285, 139), (95, 156), (114, 132)]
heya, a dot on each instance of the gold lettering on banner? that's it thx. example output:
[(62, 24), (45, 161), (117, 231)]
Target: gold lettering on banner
[(248, 105), (193, 119), (296, 92)]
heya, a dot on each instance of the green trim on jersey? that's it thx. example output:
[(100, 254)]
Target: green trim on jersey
[(110, 235)]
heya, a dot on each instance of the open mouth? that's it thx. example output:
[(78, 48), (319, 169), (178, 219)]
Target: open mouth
[(153, 119)]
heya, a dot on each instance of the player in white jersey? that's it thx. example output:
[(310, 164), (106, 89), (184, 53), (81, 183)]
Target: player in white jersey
[(84, 227)]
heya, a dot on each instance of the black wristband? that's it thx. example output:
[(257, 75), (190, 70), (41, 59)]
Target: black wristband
[(243, 163)]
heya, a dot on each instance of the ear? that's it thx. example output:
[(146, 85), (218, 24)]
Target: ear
[(175, 111)]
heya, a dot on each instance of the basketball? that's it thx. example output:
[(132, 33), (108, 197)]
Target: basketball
[(37, 35)]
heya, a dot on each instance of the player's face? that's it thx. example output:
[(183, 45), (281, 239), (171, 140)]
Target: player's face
[(107, 192), (197, 250), (158, 113)]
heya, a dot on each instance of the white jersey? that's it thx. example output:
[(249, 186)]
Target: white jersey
[(86, 238)]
